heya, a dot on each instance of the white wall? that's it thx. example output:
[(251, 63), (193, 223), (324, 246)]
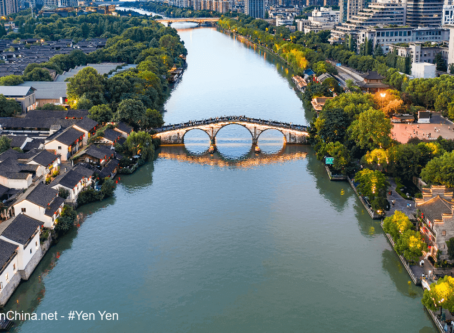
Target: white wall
[(36, 212), (23, 255), (85, 138), (16, 183), (53, 145), (422, 70), (9, 271), (42, 170), (74, 193)]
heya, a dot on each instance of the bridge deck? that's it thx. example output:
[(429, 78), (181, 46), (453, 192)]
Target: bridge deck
[(234, 119)]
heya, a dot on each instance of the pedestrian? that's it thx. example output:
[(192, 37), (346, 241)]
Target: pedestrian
[(393, 202)]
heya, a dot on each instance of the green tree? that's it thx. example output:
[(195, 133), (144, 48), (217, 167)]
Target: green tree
[(132, 112), (372, 183), (9, 107), (378, 52), (405, 161), (440, 295), (397, 224), (450, 245), (5, 144), (154, 118), (100, 113), (108, 187), (440, 170), (38, 74), (140, 143), (332, 125), (11, 80), (440, 62), (86, 82), (66, 220), (341, 155), (371, 130), (353, 104), (50, 106), (84, 103), (410, 244)]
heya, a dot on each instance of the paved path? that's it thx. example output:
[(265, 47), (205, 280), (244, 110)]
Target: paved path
[(400, 203)]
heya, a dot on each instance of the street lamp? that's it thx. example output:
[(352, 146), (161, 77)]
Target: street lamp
[(383, 95)]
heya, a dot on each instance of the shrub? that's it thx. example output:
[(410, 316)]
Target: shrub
[(66, 220), (62, 192), (89, 195)]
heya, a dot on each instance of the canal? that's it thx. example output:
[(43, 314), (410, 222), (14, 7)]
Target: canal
[(234, 242)]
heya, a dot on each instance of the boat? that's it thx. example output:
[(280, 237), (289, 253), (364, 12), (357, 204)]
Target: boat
[(257, 150)]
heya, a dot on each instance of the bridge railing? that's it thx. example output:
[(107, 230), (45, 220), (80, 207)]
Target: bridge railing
[(233, 119)]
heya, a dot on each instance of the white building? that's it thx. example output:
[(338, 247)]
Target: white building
[(22, 231), (73, 181), (423, 70), (9, 277), (323, 19), (65, 143), (41, 203)]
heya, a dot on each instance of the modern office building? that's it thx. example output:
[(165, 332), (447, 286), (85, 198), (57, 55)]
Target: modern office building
[(377, 14), (427, 13), (8, 7), (348, 8), (255, 8)]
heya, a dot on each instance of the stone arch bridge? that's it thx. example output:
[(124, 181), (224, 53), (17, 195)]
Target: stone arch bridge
[(174, 134), (198, 20)]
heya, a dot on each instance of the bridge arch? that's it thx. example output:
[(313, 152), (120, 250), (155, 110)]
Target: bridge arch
[(230, 124), (196, 129), (272, 129)]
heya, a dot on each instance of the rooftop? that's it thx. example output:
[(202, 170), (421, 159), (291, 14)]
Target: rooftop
[(7, 250), (20, 228)]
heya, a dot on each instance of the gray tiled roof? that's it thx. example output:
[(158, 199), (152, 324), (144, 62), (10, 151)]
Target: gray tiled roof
[(111, 135), (20, 229), (69, 179), (17, 140), (69, 136), (7, 251), (45, 158), (434, 208), (86, 124), (84, 171), (124, 128), (42, 195), (99, 152), (53, 207), (109, 168)]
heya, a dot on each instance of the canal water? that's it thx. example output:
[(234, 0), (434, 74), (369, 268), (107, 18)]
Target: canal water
[(233, 242)]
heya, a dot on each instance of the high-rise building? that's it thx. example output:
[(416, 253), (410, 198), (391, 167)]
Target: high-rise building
[(380, 13), (348, 8), (448, 12), (8, 7), (255, 8), (426, 13)]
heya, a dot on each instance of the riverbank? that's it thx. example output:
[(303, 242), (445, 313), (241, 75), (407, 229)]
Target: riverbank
[(198, 248)]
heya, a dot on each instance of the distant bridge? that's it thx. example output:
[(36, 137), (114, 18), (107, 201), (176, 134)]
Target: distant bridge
[(167, 21), (174, 134)]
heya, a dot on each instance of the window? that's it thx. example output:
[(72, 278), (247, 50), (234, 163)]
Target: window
[(36, 243), (387, 33), (59, 147), (23, 210), (6, 277), (30, 251), (400, 33), (443, 233), (14, 267)]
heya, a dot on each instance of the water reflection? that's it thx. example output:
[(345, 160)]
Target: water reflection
[(337, 193), (249, 160), (396, 271)]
